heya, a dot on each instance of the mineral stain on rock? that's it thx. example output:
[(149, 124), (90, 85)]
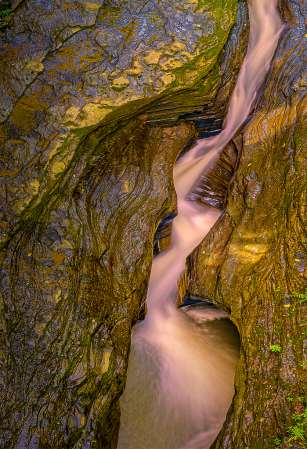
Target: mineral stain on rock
[(96, 103)]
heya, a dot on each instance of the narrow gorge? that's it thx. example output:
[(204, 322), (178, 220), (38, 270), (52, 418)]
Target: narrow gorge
[(181, 376), (99, 100)]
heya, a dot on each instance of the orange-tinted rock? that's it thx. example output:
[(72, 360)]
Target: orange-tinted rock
[(85, 177), (253, 262), (72, 280)]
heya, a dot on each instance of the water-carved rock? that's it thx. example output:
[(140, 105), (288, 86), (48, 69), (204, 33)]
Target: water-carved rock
[(252, 264), (93, 94)]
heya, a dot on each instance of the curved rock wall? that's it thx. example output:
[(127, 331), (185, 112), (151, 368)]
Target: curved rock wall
[(86, 175), (253, 262)]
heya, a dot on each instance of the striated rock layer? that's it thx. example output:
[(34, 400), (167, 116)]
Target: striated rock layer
[(98, 99), (97, 102), (253, 262)]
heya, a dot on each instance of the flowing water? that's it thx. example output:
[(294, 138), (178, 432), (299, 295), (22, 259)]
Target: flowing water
[(182, 362)]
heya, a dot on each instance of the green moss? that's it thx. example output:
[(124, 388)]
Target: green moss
[(297, 432), (5, 7), (275, 348), (4, 12), (69, 123), (79, 132)]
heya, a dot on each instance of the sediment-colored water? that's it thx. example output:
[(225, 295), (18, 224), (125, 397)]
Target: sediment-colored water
[(182, 364), (175, 376)]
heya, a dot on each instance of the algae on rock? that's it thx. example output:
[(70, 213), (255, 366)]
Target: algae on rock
[(81, 203), (253, 262), (86, 174)]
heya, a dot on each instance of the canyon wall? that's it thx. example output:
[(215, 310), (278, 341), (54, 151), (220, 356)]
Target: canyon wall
[(92, 106), (98, 99), (253, 262)]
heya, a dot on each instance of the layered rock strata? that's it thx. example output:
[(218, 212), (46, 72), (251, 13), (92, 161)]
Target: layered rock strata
[(92, 99), (253, 262)]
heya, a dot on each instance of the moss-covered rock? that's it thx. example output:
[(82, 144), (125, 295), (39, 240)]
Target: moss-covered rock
[(77, 67), (253, 262), (85, 177), (72, 280)]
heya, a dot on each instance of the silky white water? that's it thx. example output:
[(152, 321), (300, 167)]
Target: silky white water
[(182, 362)]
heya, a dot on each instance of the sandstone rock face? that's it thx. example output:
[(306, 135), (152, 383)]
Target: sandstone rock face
[(85, 177), (253, 262), (73, 276), (68, 67)]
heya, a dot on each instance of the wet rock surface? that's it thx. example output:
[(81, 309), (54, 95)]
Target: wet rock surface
[(99, 98), (93, 94), (211, 188), (58, 79), (252, 263), (72, 280)]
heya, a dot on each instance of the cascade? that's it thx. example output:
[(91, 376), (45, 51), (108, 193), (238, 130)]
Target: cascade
[(183, 361)]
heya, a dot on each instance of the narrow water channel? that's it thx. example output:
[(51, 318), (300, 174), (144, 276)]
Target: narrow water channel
[(182, 363)]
